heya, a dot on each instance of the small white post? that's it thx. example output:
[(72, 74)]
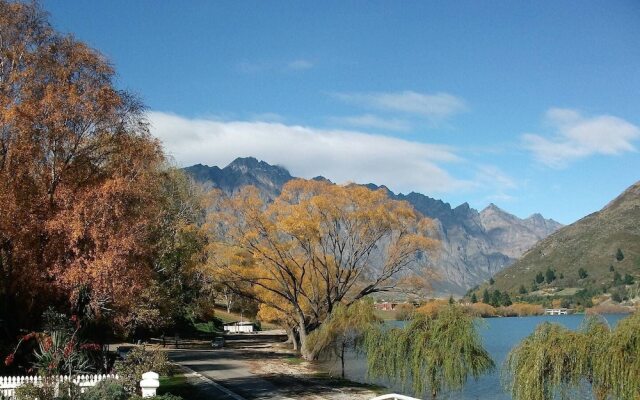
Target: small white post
[(149, 383)]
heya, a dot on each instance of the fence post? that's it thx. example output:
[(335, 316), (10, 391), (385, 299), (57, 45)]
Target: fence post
[(149, 383)]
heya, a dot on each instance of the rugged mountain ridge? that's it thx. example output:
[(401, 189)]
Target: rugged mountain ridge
[(475, 245), (591, 244)]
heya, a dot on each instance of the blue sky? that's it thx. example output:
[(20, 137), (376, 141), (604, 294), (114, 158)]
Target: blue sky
[(531, 105)]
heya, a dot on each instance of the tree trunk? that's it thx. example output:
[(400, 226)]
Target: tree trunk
[(307, 354), (342, 359), (292, 338)]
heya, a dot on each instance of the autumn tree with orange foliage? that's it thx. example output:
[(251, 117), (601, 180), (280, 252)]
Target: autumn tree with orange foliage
[(317, 245), (81, 180)]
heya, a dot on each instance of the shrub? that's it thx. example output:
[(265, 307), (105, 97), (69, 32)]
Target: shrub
[(524, 309), (137, 362), (404, 311), (432, 308), (106, 390), (480, 310), (29, 391)]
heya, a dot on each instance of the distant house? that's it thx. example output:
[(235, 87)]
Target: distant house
[(385, 306), (239, 327), (556, 311)]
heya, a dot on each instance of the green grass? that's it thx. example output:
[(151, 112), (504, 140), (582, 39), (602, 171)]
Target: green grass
[(386, 315), (225, 317), (179, 386), (206, 327), (294, 360)]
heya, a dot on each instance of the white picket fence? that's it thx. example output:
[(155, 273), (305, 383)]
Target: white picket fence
[(8, 384)]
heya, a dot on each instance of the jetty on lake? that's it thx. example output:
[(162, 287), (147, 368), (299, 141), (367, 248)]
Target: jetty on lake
[(557, 311)]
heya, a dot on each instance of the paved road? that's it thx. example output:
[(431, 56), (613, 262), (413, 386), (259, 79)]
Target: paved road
[(229, 368)]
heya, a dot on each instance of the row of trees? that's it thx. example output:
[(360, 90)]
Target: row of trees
[(93, 218), (438, 351)]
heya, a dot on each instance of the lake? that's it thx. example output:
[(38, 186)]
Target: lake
[(499, 335)]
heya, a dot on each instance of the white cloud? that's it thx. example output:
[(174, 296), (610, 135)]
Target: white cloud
[(435, 106), (492, 176), (339, 155), (298, 65), (373, 121), (578, 136)]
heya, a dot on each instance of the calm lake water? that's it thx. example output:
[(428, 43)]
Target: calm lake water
[(500, 335)]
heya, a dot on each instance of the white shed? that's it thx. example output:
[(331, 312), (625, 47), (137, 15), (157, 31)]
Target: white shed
[(239, 327)]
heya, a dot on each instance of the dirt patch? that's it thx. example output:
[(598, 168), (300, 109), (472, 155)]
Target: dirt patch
[(303, 381)]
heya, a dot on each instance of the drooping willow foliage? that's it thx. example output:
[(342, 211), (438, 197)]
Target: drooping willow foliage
[(616, 364), (430, 354), (554, 362), (343, 330), (550, 361)]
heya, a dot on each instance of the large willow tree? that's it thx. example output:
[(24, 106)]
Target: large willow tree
[(430, 354), (317, 245)]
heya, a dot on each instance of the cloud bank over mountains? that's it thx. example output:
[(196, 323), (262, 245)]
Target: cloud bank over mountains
[(340, 155)]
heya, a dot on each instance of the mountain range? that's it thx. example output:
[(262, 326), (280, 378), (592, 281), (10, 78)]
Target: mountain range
[(605, 245), (475, 245)]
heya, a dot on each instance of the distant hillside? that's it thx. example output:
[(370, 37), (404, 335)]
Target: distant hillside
[(475, 245), (590, 244)]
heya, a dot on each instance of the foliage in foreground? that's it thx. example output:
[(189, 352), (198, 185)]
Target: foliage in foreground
[(137, 362), (555, 362), (104, 390), (431, 354)]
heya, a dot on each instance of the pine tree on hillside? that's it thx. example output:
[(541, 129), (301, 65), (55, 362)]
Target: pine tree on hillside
[(550, 275), (582, 273), (485, 297)]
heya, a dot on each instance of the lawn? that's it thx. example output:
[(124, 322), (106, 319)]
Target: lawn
[(178, 385)]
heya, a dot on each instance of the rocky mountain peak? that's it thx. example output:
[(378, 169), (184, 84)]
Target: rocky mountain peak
[(474, 245)]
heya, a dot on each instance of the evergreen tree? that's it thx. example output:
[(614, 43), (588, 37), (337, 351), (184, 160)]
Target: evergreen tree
[(506, 299), (522, 290), (474, 299), (496, 298), (550, 275), (582, 273), (628, 279), (485, 297), (619, 255), (617, 279), (539, 278), (491, 281), (611, 269)]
